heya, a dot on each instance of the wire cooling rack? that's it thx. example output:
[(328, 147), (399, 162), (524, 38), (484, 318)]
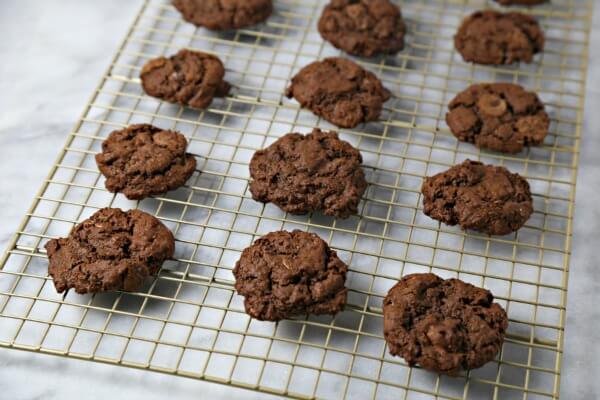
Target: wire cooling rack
[(189, 321)]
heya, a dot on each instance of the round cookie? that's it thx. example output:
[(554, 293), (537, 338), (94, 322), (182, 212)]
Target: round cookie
[(190, 78), (520, 2), (290, 273), (224, 14), (491, 37), (340, 91), (480, 197), (498, 116), (143, 160), (445, 326), (302, 173), (363, 27), (112, 250)]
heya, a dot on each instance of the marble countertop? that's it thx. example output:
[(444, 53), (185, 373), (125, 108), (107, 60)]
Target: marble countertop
[(38, 112)]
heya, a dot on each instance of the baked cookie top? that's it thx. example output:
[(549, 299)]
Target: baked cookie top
[(304, 173), (290, 273), (498, 116), (143, 160), (112, 250), (445, 326), (224, 14), (190, 78), (363, 27), (491, 37), (340, 91), (480, 197)]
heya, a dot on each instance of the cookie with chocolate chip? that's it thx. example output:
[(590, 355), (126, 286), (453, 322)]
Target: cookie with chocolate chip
[(143, 160), (491, 37), (284, 274), (190, 78), (363, 27), (484, 198), (112, 250), (340, 91), (443, 325), (498, 116), (224, 14), (304, 173)]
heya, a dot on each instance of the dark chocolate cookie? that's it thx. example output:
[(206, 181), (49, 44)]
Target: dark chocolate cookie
[(340, 91), (290, 273), (520, 2), (301, 174), (481, 197), (112, 250), (498, 116), (445, 326), (190, 78), (491, 37), (224, 14), (143, 160), (363, 27)]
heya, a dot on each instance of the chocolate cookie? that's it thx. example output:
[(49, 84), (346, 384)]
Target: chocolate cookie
[(520, 2), (490, 37), (340, 91), (481, 197), (224, 14), (190, 78), (445, 326), (290, 273), (363, 27), (301, 174), (143, 160), (112, 250), (498, 116)]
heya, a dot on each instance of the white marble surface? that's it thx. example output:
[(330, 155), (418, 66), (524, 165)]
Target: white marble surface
[(45, 49)]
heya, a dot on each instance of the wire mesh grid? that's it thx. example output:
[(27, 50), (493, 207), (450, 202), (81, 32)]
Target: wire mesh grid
[(189, 322)]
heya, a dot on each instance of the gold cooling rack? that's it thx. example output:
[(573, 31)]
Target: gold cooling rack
[(189, 321)]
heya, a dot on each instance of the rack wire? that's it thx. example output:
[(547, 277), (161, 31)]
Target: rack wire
[(189, 321)]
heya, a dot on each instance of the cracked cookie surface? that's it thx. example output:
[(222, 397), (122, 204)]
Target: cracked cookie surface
[(304, 173), (224, 14), (498, 116), (143, 160), (340, 91), (363, 27), (480, 197), (112, 250), (445, 326), (190, 78), (491, 37), (283, 274)]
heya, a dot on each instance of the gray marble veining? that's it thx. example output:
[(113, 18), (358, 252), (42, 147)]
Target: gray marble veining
[(48, 72)]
